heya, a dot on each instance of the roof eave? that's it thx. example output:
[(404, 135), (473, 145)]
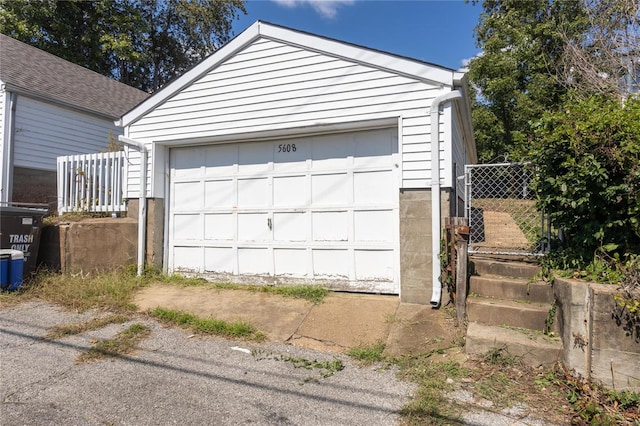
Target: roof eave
[(461, 82), (428, 73), (31, 94)]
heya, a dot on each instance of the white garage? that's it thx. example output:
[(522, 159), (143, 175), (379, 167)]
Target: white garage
[(289, 157)]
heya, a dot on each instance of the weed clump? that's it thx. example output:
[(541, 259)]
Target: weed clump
[(368, 354), (209, 326), (124, 343)]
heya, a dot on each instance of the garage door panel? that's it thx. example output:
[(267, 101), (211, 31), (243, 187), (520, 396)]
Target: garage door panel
[(330, 225), (331, 152), (187, 227), (330, 263), (290, 262), (187, 163), (254, 261), (373, 149), (255, 157), (219, 227), (374, 188), (290, 155), (290, 191), (188, 258), (290, 226), (220, 160), (330, 189), (219, 259), (374, 264), (374, 225), (185, 198), (253, 192), (253, 227), (219, 194)]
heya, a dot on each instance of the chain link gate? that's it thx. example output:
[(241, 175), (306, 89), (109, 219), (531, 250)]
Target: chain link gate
[(501, 210)]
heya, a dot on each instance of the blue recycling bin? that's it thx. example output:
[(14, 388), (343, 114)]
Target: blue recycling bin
[(11, 269)]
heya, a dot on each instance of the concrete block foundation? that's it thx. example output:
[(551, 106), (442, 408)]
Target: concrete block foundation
[(416, 255)]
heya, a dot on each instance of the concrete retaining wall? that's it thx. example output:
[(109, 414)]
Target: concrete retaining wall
[(595, 346), (90, 245)]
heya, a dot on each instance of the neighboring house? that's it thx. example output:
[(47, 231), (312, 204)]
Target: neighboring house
[(50, 107), (287, 156)]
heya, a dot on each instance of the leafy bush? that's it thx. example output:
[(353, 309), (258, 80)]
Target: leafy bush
[(588, 157)]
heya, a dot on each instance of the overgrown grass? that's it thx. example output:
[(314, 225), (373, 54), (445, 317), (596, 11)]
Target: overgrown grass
[(326, 368), (591, 403), (312, 293), (368, 354), (124, 343), (430, 405), (114, 290), (500, 356), (60, 331), (209, 326), (108, 290)]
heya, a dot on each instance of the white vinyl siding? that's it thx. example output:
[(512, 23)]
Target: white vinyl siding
[(3, 118), (272, 86), (459, 156), (44, 131)]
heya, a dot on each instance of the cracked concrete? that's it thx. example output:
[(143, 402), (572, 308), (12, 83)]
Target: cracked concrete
[(342, 321)]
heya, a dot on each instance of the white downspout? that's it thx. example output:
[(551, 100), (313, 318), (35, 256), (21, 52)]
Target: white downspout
[(436, 293), (142, 203)]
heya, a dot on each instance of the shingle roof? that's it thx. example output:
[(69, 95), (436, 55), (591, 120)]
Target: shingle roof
[(35, 72)]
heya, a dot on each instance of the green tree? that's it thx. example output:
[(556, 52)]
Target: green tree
[(516, 76), (588, 156), (143, 43)]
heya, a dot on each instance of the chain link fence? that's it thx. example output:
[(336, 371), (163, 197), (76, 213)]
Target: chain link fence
[(501, 210)]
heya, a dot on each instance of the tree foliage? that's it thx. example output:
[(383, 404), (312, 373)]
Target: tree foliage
[(606, 57), (143, 43), (516, 74), (588, 157)]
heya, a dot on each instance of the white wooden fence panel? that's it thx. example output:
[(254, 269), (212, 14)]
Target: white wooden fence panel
[(91, 183)]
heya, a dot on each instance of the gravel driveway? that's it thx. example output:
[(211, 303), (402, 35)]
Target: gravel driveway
[(176, 378)]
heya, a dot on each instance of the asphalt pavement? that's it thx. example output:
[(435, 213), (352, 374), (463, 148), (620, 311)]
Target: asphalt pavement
[(178, 378), (175, 377)]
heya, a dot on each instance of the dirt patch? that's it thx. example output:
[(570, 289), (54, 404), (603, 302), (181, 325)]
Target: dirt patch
[(343, 321)]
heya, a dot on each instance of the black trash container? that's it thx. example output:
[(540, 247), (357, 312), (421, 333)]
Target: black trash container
[(20, 230)]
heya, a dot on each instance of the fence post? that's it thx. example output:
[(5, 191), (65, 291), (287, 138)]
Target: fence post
[(462, 247)]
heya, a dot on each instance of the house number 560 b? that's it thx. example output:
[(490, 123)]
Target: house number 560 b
[(287, 147)]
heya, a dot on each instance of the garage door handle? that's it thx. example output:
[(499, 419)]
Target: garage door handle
[(269, 223)]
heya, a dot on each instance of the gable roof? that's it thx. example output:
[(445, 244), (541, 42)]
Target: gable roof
[(412, 68), (28, 70)]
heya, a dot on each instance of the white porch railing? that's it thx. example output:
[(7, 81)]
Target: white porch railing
[(91, 182)]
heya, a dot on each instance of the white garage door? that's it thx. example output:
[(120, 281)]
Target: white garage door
[(312, 208)]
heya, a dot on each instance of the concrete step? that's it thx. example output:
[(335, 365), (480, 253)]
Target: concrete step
[(511, 288), (503, 268), (531, 348), (489, 311)]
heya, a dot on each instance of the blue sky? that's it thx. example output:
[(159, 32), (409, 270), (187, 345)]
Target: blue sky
[(440, 32)]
